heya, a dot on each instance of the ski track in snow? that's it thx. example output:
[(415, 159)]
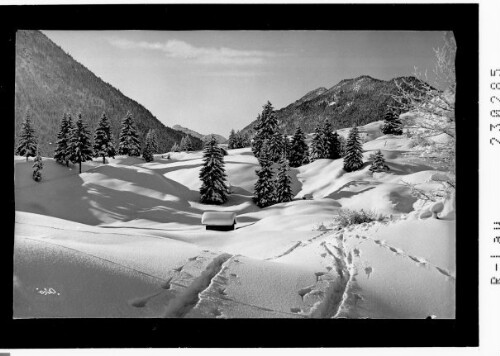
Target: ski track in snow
[(190, 296), (290, 250), (213, 297), (418, 260), (299, 244)]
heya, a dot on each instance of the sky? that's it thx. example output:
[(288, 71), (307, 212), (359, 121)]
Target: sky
[(215, 81)]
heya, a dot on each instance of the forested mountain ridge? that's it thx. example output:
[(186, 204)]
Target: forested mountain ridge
[(49, 83), (351, 101)]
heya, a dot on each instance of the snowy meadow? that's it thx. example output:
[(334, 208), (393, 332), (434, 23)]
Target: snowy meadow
[(125, 239)]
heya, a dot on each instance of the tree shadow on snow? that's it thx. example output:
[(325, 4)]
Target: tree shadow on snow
[(341, 193)]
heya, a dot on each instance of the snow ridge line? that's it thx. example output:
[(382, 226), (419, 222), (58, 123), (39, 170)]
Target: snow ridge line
[(96, 257), (189, 298), (95, 232)]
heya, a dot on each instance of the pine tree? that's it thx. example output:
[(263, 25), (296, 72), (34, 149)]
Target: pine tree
[(147, 152), (353, 159), (80, 145), (182, 145), (175, 148), (283, 182), (342, 144), (264, 192), (188, 145), (298, 149), (266, 126), (232, 140), (286, 147), (392, 124), (378, 164), (213, 177), (276, 147), (27, 140), (129, 139), (242, 140), (317, 148), (37, 167), (336, 147), (155, 146), (103, 140), (62, 152), (330, 143)]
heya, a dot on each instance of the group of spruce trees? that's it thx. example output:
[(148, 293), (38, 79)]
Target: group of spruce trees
[(270, 146), (392, 123), (185, 145), (237, 140), (74, 142), (325, 143), (392, 126)]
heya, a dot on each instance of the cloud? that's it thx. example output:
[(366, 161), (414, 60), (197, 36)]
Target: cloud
[(205, 55), (234, 73)]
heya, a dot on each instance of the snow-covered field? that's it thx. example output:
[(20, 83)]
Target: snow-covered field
[(125, 240)]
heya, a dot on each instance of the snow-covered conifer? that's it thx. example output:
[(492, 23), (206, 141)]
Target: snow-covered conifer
[(264, 192), (283, 182), (62, 152), (147, 152), (231, 142), (37, 167), (129, 139), (27, 140), (266, 126), (298, 149), (276, 147), (317, 142), (378, 164), (213, 189), (286, 147), (155, 145), (353, 159), (175, 148), (80, 145), (331, 144), (103, 140), (392, 124)]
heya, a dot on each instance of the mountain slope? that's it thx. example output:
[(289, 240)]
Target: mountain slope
[(49, 82), (219, 138), (352, 101)]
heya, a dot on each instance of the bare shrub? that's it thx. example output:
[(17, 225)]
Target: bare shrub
[(347, 217)]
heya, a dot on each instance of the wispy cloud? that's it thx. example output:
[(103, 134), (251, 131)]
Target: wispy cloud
[(204, 55), (234, 73)]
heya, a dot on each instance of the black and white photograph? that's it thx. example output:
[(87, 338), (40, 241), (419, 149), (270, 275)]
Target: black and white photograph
[(211, 175), (235, 174)]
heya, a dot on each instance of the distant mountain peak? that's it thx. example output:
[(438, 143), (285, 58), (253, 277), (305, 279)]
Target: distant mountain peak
[(219, 138), (360, 100)]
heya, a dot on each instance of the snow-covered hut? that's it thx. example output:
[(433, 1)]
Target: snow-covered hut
[(219, 220)]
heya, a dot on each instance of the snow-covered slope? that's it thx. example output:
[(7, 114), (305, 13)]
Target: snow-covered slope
[(125, 239)]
